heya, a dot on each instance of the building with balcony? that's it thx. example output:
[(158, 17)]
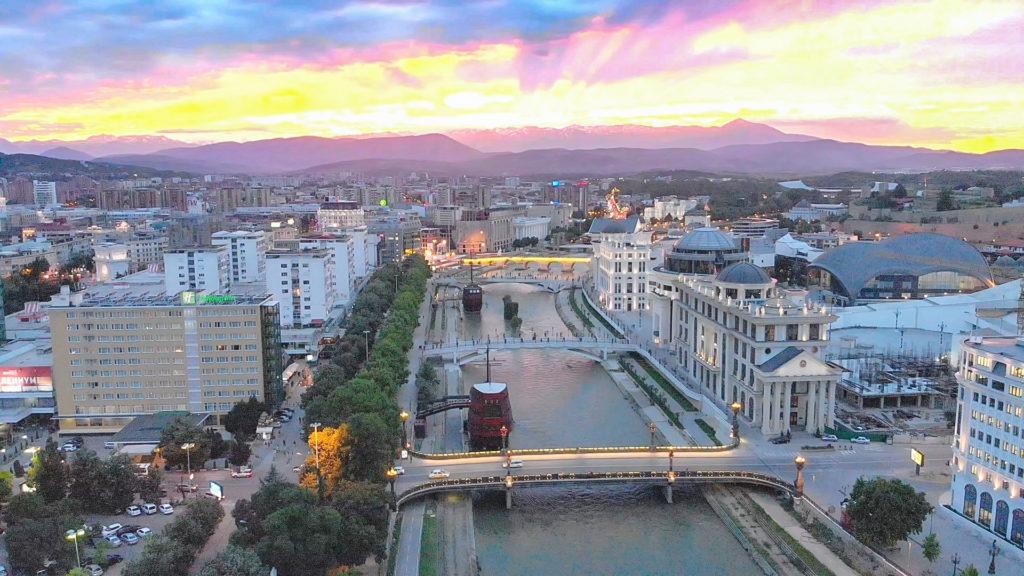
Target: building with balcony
[(738, 340), (202, 269), (988, 445), (620, 269), (303, 283), (246, 252)]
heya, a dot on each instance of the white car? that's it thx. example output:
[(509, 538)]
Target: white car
[(830, 438), (149, 508), (133, 510), (93, 569), (69, 447), (166, 509), (860, 440), (130, 538), (400, 470), (512, 464), (111, 529), (244, 472), (144, 532), (115, 540), (439, 473)]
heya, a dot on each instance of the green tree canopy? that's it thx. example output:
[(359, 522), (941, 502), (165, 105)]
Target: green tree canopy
[(177, 434), (931, 548), (243, 417), (885, 511), (49, 476), (235, 561)]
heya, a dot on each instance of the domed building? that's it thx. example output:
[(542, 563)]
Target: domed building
[(738, 341), (704, 251)]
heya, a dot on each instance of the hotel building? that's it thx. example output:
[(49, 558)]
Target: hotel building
[(988, 446)]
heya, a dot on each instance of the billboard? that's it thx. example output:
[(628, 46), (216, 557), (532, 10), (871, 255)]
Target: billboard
[(217, 490), (26, 379)]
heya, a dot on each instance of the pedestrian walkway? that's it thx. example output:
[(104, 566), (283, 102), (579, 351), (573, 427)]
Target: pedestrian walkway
[(792, 527)]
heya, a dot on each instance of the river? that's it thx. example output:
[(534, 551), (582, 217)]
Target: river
[(563, 399)]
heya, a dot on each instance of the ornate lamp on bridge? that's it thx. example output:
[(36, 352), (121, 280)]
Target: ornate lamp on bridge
[(799, 461), (653, 428), (736, 406), (392, 475), (404, 416), (671, 455), (504, 439)]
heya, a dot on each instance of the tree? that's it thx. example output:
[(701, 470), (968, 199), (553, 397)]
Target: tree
[(327, 446), (120, 483), (235, 561), (945, 202), (19, 469), (243, 417), (49, 476), (885, 511), (239, 453), (6, 486), (302, 540), (969, 570), (372, 446), (931, 548), (88, 478), (149, 485), (364, 508), (178, 433)]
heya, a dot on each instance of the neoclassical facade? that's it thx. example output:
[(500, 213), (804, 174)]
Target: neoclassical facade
[(739, 341), (988, 446)]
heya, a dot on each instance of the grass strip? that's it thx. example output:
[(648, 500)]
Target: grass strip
[(804, 554), (396, 537), (430, 546), (576, 308), (615, 331), (708, 430), (656, 396), (663, 382)]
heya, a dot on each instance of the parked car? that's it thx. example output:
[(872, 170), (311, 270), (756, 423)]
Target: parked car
[(115, 540), (187, 488), (114, 558), (111, 529), (400, 470), (439, 473), (93, 569), (144, 532), (130, 528), (830, 438), (861, 440), (133, 510), (243, 472), (149, 508), (130, 538), (780, 440), (166, 509), (68, 447)]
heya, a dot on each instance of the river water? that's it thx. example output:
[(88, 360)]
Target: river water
[(562, 399)]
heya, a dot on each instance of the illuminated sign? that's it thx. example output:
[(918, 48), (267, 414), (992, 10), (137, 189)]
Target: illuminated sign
[(188, 297), (218, 299), (916, 456), (556, 183), (383, 202), (26, 379), (217, 490)]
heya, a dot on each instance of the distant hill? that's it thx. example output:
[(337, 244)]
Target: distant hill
[(65, 153), (624, 136), (94, 146), (288, 154), (165, 162), (33, 166)]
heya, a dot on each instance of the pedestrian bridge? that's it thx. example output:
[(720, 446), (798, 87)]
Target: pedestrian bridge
[(661, 478), (551, 285), (465, 351)]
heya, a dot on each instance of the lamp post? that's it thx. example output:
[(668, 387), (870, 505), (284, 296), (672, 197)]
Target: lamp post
[(316, 445), (392, 475), (504, 439), (366, 343), (404, 416), (188, 462), (671, 455), (994, 551), (653, 428), (74, 535), (799, 461), (956, 562), (736, 406)]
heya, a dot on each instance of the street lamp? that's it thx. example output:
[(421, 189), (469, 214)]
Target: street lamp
[(994, 551), (653, 428), (366, 344), (316, 445), (392, 474), (74, 535), (671, 455), (404, 416), (188, 462), (736, 406), (956, 562), (799, 461), (504, 438)]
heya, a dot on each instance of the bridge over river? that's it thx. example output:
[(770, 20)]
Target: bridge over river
[(464, 351)]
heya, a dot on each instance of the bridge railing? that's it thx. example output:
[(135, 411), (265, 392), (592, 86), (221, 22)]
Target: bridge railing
[(648, 477), (576, 450), (483, 342)]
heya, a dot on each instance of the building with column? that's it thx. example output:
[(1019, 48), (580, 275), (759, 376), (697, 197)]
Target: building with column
[(738, 340), (620, 268), (246, 250), (339, 214), (126, 350), (988, 442), (303, 283)]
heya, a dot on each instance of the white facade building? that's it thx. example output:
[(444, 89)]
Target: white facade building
[(739, 341), (111, 261), (246, 251), (303, 283), (340, 214), (988, 446), (527, 227), (44, 193), (202, 269), (343, 247), (677, 207), (620, 270)]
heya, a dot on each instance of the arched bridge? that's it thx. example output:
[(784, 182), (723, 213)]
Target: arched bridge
[(660, 478), (465, 351), (550, 285), (441, 405)]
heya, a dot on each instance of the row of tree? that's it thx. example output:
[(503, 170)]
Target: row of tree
[(338, 515), (171, 552)]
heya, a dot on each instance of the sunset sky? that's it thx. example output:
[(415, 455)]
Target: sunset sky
[(942, 73)]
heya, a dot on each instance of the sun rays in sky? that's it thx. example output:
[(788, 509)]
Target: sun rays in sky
[(941, 74)]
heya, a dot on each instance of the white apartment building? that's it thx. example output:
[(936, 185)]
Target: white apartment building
[(739, 341), (146, 250), (677, 207), (246, 251), (988, 446), (200, 269), (527, 227), (339, 214), (44, 193), (303, 283), (343, 248), (620, 270)]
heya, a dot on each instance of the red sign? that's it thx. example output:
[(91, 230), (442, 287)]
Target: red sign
[(26, 379)]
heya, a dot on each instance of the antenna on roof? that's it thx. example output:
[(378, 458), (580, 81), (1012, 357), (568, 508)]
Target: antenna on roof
[(488, 362), (1020, 308)]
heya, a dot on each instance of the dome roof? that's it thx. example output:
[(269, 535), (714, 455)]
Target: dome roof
[(743, 273), (709, 239)]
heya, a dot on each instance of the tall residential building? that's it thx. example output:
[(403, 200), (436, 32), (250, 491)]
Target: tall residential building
[(988, 442), (738, 340), (246, 253), (303, 283), (620, 269), (203, 269), (127, 352), (144, 250), (399, 235), (340, 214), (343, 247), (44, 193)]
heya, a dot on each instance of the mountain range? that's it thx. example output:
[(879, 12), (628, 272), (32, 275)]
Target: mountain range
[(736, 147)]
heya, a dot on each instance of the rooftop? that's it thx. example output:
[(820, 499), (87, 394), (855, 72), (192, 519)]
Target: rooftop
[(147, 429), (1012, 348)]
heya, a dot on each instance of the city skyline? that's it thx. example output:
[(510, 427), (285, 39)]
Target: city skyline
[(938, 74)]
